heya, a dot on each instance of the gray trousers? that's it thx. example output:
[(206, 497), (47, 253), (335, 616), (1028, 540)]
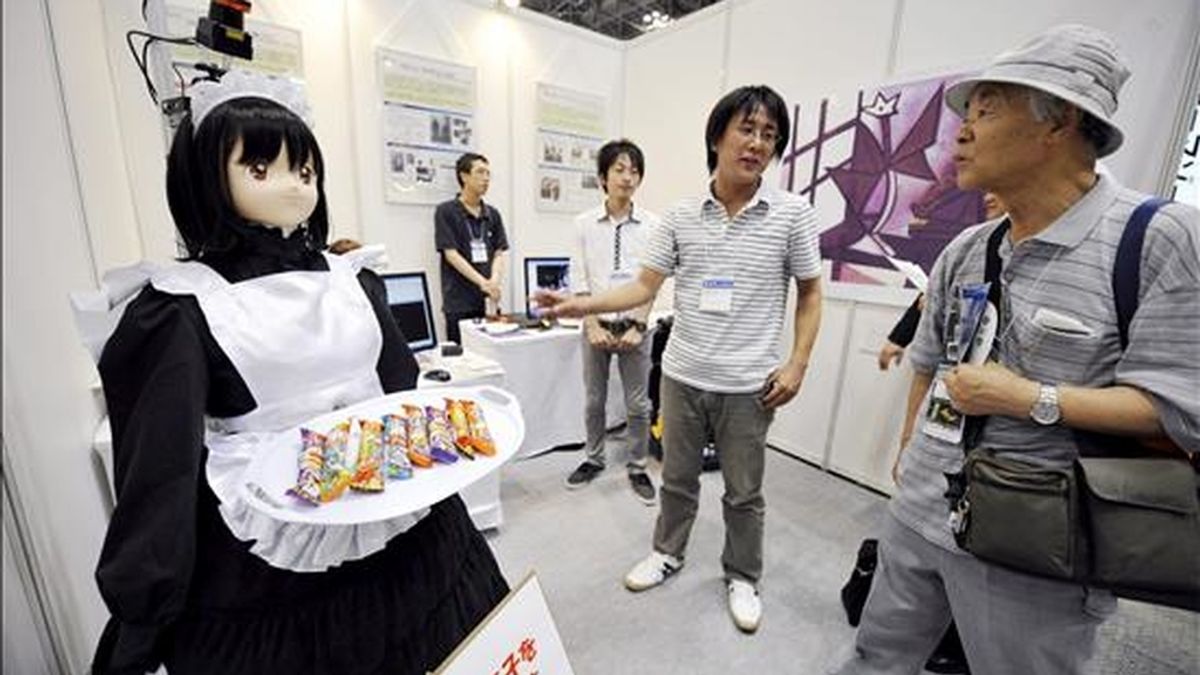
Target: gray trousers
[(738, 423), (634, 367), (1010, 623)]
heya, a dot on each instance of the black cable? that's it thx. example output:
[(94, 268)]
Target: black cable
[(141, 63)]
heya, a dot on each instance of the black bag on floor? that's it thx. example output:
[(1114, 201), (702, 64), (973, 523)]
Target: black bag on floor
[(858, 586)]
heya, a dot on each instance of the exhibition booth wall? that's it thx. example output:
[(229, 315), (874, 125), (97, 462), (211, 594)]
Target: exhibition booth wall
[(83, 188)]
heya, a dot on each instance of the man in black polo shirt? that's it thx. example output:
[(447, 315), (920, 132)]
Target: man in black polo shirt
[(470, 236)]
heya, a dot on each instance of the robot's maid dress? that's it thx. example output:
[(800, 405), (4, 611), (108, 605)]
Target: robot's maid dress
[(208, 361)]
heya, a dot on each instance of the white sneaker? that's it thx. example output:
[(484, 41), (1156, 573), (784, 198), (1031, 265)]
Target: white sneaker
[(652, 571), (744, 605)]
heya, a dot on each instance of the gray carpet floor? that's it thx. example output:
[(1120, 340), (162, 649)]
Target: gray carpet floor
[(580, 543)]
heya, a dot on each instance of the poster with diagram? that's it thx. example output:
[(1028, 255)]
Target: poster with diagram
[(877, 165), (277, 49), (428, 122), (570, 130)]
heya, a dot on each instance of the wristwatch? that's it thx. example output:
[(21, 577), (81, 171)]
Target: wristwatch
[(1045, 410)]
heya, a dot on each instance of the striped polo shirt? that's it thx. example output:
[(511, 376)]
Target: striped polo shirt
[(1066, 270), (772, 240)]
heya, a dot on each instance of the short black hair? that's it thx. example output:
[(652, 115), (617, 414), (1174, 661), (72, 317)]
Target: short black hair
[(466, 163), (611, 151), (743, 101), (198, 183)]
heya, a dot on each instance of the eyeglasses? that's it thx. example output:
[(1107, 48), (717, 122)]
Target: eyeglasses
[(767, 135)]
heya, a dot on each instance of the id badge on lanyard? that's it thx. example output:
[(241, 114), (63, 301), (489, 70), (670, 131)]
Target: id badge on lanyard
[(716, 294), (479, 252), (969, 333)]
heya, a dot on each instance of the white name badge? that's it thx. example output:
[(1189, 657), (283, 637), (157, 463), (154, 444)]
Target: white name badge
[(716, 294), (942, 420), (479, 252), (618, 278)]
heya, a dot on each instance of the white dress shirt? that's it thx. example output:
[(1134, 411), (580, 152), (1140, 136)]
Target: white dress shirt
[(608, 253)]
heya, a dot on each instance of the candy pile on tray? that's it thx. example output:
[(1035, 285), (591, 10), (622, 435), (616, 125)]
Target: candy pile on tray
[(388, 448)]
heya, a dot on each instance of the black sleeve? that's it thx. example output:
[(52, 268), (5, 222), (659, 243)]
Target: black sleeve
[(443, 223), (156, 381), (397, 368), (904, 330), (499, 236)]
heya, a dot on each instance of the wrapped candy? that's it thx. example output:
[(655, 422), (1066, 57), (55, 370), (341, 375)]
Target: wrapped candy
[(308, 478), (441, 443), (335, 478), (418, 440), (481, 438), (395, 447), (462, 428), (368, 471)]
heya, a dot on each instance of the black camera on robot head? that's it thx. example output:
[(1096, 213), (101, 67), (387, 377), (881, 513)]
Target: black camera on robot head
[(223, 30)]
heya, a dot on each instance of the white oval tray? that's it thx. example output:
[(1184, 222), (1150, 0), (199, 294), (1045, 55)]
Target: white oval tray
[(273, 471)]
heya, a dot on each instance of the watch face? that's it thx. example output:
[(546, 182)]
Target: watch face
[(1045, 411)]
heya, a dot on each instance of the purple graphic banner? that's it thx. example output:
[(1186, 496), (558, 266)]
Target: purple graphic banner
[(880, 173)]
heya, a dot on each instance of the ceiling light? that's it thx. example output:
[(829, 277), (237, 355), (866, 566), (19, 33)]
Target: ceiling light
[(512, 4)]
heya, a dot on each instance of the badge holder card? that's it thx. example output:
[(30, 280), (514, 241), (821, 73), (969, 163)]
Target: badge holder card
[(971, 330)]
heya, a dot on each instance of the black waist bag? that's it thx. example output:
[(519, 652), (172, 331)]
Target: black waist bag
[(1143, 520), (1023, 515)]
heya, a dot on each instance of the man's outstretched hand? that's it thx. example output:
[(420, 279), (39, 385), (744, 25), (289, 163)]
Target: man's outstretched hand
[(555, 305)]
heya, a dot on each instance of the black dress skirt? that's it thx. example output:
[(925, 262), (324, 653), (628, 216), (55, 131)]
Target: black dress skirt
[(183, 591)]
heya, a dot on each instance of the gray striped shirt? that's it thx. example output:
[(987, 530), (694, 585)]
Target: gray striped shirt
[(1067, 268), (772, 240)]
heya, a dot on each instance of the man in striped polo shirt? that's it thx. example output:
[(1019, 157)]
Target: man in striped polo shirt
[(733, 250), (1033, 125)]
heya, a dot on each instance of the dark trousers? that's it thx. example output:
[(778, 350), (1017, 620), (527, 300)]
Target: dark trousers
[(452, 319)]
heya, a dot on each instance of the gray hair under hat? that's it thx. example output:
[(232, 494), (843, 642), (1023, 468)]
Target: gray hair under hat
[(1078, 64)]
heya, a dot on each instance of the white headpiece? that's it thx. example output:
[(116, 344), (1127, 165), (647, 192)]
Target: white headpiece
[(206, 94)]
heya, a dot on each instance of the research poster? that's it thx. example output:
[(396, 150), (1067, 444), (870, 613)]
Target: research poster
[(428, 121), (571, 127)]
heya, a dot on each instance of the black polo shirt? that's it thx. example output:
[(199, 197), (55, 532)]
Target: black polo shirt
[(455, 227)]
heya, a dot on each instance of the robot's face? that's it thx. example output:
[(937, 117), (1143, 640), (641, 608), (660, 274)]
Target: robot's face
[(273, 193)]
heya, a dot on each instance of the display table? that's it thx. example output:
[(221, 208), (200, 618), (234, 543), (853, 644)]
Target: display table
[(482, 498), (544, 370)]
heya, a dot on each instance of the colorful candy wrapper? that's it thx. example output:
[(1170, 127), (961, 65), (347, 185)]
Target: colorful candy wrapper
[(335, 478), (481, 438), (462, 428), (368, 471), (395, 447), (308, 478), (441, 443), (418, 440)]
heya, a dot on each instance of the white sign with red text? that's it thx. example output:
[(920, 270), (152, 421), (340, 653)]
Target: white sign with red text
[(518, 637)]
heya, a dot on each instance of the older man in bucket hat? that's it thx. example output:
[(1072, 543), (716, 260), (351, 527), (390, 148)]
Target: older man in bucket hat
[(1033, 124)]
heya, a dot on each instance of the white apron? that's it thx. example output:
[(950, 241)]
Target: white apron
[(305, 343)]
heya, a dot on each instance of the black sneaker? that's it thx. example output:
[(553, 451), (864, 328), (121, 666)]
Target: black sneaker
[(583, 475), (642, 487)]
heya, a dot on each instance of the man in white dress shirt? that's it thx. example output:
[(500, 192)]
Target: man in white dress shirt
[(610, 242)]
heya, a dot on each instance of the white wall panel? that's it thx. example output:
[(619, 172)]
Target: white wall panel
[(49, 413), (671, 81)]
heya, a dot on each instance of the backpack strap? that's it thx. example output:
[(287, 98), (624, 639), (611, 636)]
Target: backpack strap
[(1127, 268)]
